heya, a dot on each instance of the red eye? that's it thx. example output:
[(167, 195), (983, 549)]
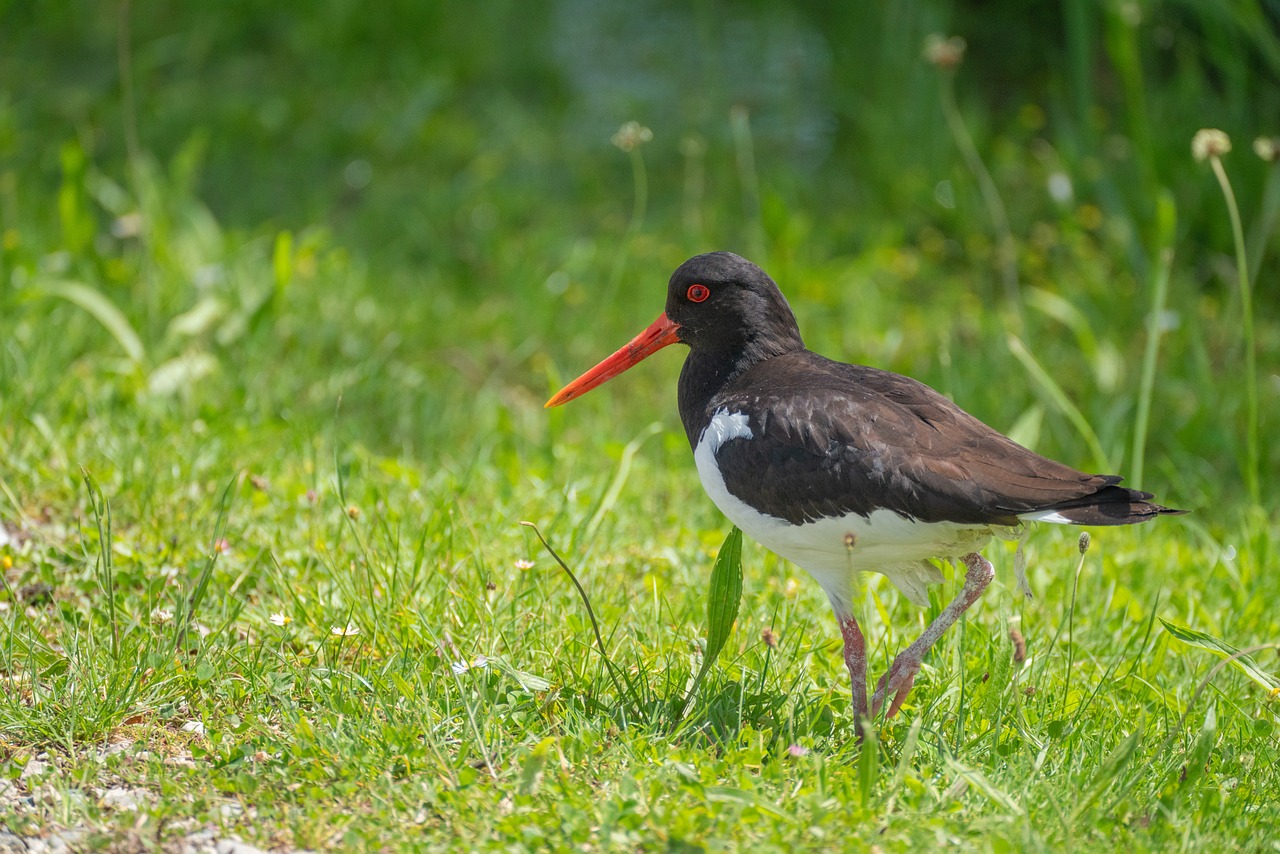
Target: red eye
[(698, 293)]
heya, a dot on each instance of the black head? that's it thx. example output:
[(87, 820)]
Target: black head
[(725, 308), (724, 303)]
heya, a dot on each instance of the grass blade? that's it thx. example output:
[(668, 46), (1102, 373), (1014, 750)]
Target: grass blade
[(595, 626), (722, 606), (104, 311), (993, 793), (1166, 229), (735, 795), (1059, 397), (620, 478), (726, 594), (1108, 773), (1235, 657)]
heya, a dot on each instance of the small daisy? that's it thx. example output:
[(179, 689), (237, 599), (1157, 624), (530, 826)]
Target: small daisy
[(344, 631), (524, 564), (279, 619), (478, 663)]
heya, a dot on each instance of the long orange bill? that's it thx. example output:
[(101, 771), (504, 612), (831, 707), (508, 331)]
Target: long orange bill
[(659, 334)]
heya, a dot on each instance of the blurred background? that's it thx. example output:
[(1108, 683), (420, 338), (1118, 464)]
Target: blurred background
[(425, 209)]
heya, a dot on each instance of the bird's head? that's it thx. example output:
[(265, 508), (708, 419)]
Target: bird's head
[(717, 303)]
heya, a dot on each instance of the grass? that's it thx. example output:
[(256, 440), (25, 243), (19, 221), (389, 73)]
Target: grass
[(262, 476)]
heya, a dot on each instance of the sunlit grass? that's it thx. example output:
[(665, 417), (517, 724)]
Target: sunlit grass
[(359, 637), (261, 494)]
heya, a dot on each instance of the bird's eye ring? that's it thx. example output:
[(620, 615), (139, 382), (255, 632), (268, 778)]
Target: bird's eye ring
[(698, 293)]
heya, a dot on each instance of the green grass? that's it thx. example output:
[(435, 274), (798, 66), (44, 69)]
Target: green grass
[(263, 460)]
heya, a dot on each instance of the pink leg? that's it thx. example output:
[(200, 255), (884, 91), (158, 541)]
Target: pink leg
[(855, 658), (902, 673), (855, 651)]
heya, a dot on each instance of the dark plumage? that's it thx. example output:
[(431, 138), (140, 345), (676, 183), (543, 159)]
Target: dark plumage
[(831, 438)]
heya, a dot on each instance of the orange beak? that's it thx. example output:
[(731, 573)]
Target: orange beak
[(659, 334)]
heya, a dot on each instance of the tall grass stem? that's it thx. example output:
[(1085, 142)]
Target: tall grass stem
[(1059, 397), (1252, 454), (1166, 226), (1006, 248), (591, 614), (104, 564)]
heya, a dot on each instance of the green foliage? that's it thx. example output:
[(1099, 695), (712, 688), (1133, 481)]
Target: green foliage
[(271, 390), (1236, 657), (724, 597)]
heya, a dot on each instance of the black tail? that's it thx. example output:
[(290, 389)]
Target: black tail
[(1112, 505)]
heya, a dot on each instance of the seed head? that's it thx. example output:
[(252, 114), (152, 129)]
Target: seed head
[(1209, 142), (631, 136), (1019, 645), (944, 52), (1267, 147), (1084, 542), (769, 637)]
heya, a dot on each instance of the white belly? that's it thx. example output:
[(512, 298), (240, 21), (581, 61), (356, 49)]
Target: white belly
[(834, 548)]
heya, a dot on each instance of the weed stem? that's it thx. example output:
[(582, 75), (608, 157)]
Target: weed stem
[(595, 626), (1250, 356), (1166, 220)]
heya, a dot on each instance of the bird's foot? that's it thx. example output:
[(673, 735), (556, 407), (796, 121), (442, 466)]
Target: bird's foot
[(896, 683)]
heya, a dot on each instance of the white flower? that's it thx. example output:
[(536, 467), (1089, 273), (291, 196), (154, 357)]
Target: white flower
[(346, 631), (280, 619), (1209, 142), (631, 135), (478, 663)]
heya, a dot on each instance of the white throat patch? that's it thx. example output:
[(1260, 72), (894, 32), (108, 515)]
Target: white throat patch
[(724, 426)]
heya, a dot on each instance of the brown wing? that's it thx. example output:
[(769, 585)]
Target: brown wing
[(830, 439)]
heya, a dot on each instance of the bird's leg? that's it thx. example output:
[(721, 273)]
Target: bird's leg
[(855, 657), (902, 673)]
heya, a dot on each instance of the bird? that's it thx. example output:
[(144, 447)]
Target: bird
[(845, 469)]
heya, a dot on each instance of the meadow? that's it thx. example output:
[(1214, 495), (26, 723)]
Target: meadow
[(282, 297)]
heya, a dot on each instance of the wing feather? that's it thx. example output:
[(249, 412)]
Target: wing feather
[(830, 439)]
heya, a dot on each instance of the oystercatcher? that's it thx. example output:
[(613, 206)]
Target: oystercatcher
[(843, 468)]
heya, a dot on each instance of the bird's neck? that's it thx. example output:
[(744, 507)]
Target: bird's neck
[(707, 373)]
